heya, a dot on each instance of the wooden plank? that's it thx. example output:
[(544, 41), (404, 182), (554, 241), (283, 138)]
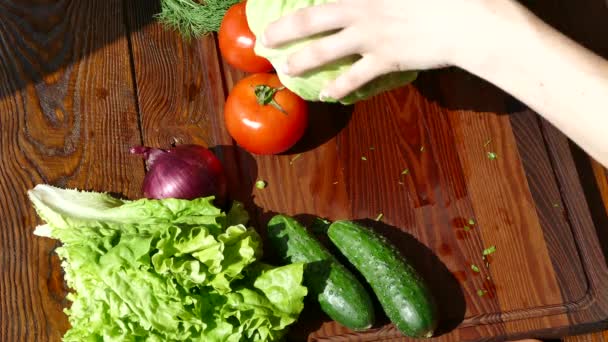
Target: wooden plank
[(569, 271), (506, 211), (596, 337), (587, 217), (179, 83), (67, 117)]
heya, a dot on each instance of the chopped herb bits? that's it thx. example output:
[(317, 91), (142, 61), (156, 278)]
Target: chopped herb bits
[(261, 184), (295, 158), (489, 250)]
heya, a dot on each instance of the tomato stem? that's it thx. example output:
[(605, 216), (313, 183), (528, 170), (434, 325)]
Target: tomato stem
[(265, 96)]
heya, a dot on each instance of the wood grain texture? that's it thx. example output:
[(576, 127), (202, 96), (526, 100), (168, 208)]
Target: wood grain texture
[(587, 221), (550, 207), (186, 106), (596, 337), (70, 126), (506, 211)]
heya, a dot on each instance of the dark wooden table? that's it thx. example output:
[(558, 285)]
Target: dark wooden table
[(82, 81)]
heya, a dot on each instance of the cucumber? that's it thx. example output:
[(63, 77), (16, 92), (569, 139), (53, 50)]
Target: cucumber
[(404, 296), (340, 295)]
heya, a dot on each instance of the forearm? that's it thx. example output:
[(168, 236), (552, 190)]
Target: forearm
[(562, 81)]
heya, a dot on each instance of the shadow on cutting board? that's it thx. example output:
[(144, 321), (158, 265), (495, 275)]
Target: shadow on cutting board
[(325, 121), (457, 89), (583, 21)]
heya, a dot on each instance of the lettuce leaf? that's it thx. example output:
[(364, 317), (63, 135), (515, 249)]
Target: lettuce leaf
[(260, 13), (165, 270)]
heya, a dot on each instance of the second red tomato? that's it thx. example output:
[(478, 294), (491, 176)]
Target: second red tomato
[(237, 42), (264, 117)]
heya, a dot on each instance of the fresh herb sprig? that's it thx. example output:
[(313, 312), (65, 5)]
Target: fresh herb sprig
[(194, 18)]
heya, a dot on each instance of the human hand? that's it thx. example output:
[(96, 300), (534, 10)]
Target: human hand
[(389, 35), (498, 40)]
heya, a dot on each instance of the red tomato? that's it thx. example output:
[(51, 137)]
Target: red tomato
[(237, 42), (264, 117)]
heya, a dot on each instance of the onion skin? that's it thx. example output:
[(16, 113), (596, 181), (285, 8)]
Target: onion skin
[(183, 172)]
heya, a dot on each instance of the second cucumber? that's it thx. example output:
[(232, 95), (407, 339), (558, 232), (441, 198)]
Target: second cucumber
[(406, 299), (338, 291)]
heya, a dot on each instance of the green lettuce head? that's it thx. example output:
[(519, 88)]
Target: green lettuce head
[(260, 13), (165, 270)]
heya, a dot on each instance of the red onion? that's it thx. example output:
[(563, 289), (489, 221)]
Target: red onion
[(184, 171)]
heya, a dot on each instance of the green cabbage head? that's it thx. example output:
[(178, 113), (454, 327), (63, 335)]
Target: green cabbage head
[(260, 13)]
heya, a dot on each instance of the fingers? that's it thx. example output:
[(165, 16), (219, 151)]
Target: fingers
[(322, 51), (305, 22), (363, 71)]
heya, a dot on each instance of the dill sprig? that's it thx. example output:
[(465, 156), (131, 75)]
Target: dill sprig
[(194, 18)]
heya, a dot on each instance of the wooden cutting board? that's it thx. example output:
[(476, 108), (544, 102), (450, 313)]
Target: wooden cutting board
[(472, 153), (548, 276)]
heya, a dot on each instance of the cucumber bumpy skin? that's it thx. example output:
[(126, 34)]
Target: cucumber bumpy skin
[(404, 296), (340, 295)]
